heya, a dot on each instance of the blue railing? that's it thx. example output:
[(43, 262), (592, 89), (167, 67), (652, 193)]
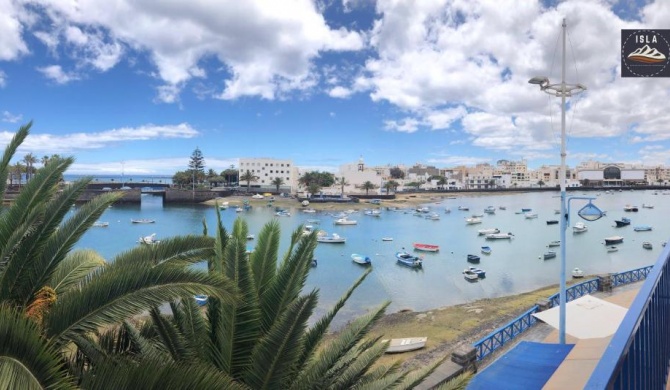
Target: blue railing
[(503, 335), (639, 352), (576, 291), (631, 276)]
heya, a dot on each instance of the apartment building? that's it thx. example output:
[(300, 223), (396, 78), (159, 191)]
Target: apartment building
[(267, 170)]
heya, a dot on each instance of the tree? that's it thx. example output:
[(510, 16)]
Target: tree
[(265, 340), (278, 182), (30, 161), (342, 182), (45, 160), (397, 173), (18, 172), (248, 177), (441, 182), (540, 183), (415, 184), (323, 179), (196, 165), (182, 179), (53, 300), (391, 185), (313, 188), (367, 186), (231, 175)]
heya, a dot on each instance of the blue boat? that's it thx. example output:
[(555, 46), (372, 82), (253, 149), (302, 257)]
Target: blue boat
[(408, 260), (361, 259), (526, 210), (486, 250), (473, 259), (478, 271), (622, 222), (201, 300), (642, 228)]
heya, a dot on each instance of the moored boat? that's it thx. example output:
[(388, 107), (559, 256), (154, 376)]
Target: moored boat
[(100, 224), (345, 221), (612, 248), (499, 236), (579, 227), (552, 222), (577, 273), (387, 238), (373, 213), (554, 243), (483, 232), (149, 240), (549, 255), (143, 220), (433, 216), (408, 260), (526, 210), (405, 344), (642, 228), (473, 259), (332, 239), (201, 300), (622, 222), (613, 240), (478, 271), (473, 221), (490, 210), (486, 250), (630, 208), (470, 276), (647, 245), (647, 206), (361, 259), (426, 247), (530, 215), (463, 208)]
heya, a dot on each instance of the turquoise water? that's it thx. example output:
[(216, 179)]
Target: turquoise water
[(514, 266)]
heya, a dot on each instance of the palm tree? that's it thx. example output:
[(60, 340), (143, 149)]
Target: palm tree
[(262, 342), (248, 177), (18, 172), (367, 186), (53, 300), (540, 183), (278, 182), (391, 185), (341, 182), (44, 160), (30, 161)]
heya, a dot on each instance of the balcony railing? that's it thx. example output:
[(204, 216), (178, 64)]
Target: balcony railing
[(639, 352)]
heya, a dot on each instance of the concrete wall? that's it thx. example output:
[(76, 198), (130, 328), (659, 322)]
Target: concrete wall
[(187, 196)]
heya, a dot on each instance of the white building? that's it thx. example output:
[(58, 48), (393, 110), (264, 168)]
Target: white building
[(267, 170), (356, 174), (610, 174)]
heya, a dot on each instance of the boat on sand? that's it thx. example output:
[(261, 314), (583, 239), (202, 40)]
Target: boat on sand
[(405, 344)]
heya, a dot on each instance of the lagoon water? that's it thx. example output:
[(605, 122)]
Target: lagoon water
[(514, 266)]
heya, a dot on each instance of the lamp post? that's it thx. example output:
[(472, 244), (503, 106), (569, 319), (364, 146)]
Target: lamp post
[(561, 90)]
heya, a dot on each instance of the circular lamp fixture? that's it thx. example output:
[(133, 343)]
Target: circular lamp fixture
[(590, 212)]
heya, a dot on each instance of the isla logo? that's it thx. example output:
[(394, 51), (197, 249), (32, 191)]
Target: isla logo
[(645, 53)]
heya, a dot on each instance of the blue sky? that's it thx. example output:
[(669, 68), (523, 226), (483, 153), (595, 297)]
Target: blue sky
[(138, 85)]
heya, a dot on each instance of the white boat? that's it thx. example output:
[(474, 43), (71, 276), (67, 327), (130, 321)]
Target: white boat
[(530, 215), (361, 259), (612, 248), (149, 240), (223, 206), (250, 236), (373, 213), (423, 210), (100, 224), (142, 220), (642, 228), (554, 243), (549, 255), (613, 240), (257, 196), (239, 210), (577, 273), (433, 216), (499, 236), (345, 221), (490, 210), (283, 213), (472, 221), (463, 208), (307, 230), (647, 245), (387, 238), (483, 232), (579, 227), (647, 206), (309, 211), (332, 239), (477, 215), (405, 344), (470, 276)]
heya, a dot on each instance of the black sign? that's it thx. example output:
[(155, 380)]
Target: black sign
[(645, 53)]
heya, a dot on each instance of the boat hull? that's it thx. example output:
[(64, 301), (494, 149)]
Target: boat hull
[(405, 344)]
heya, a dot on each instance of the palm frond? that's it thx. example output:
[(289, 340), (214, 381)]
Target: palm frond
[(216, 262), (178, 250), (73, 269), (10, 150), (358, 366), (191, 324), (144, 348), (27, 361), (115, 293), (15, 255), (240, 229), (277, 352), (458, 383), (384, 382), (317, 331), (412, 379), (319, 366), (379, 372), (264, 258), (170, 338), (288, 282)]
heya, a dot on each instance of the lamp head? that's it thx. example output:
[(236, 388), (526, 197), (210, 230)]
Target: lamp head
[(539, 80), (590, 212)]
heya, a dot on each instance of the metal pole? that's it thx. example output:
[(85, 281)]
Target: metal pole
[(564, 215)]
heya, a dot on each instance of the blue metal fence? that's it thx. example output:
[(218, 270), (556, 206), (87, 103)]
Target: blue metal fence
[(631, 276), (576, 291), (503, 335), (639, 352)]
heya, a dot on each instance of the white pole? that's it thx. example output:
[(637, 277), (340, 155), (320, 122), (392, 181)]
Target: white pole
[(564, 215)]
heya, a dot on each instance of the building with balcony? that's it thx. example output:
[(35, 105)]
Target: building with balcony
[(267, 170)]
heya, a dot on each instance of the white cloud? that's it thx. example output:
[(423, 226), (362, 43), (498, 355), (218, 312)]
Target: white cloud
[(406, 125), (459, 160), (340, 92), (69, 143), (3, 79), (268, 47), (332, 114), (56, 73), (11, 118), (12, 45), (161, 166)]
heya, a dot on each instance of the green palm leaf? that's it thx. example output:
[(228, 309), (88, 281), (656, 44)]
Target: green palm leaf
[(360, 362), (191, 324), (412, 379), (264, 258), (379, 372), (10, 149), (73, 269), (26, 360), (179, 251), (280, 349), (173, 340), (216, 262), (458, 383)]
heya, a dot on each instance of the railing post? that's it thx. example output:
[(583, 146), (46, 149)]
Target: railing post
[(465, 356), (605, 283), (543, 304)]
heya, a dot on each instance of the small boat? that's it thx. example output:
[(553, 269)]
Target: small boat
[(526, 210), (612, 248), (647, 245), (483, 232), (307, 230), (554, 243), (530, 215), (473, 221), (579, 227), (622, 222), (406, 344), (309, 211), (345, 221), (387, 238), (477, 215), (502, 207), (490, 210), (142, 220), (314, 221), (250, 236), (239, 210), (100, 224), (332, 239), (149, 240), (408, 260), (630, 208), (470, 276), (422, 209), (257, 196), (463, 208), (549, 255), (426, 247), (647, 206), (373, 213), (447, 210), (557, 211), (478, 271), (499, 236), (223, 206), (433, 216), (201, 300), (613, 240), (642, 228), (486, 250), (315, 262), (577, 273), (552, 222), (283, 213), (361, 259), (473, 259)]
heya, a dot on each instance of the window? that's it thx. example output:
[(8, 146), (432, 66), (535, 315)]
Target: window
[(288, 165)]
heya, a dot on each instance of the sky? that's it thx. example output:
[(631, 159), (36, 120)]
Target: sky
[(135, 86)]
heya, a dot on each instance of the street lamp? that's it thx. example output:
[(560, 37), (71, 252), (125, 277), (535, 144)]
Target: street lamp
[(563, 90)]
